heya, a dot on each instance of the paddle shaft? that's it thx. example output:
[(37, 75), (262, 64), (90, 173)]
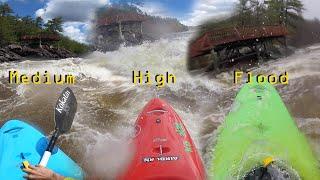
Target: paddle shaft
[(46, 156)]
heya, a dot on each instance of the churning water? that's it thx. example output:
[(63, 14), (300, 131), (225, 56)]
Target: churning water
[(109, 103)]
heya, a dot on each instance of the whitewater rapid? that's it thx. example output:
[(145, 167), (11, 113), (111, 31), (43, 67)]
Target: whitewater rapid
[(109, 103)]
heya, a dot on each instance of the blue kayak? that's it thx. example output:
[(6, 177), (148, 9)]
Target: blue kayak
[(20, 142)]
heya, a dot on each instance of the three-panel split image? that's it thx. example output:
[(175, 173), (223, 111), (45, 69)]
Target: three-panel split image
[(159, 90)]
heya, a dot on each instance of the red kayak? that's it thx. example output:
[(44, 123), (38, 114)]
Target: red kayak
[(163, 147)]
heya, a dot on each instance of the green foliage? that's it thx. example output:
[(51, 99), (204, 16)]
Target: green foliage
[(255, 12), (71, 45), (24, 26), (5, 9), (39, 22), (54, 25), (13, 27), (6, 31)]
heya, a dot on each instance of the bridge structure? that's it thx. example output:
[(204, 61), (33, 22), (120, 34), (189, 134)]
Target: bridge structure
[(123, 26), (39, 40), (42, 37), (233, 44)]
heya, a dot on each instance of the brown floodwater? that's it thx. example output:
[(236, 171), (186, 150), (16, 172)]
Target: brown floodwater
[(108, 102)]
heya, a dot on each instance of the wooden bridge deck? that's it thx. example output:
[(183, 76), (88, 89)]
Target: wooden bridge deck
[(42, 37)]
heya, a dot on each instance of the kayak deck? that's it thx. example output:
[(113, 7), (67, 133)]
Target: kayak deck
[(163, 147), (20, 142), (257, 127)]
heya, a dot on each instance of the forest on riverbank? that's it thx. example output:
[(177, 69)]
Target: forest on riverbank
[(13, 27)]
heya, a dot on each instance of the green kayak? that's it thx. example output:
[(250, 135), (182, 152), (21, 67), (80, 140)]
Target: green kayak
[(257, 133)]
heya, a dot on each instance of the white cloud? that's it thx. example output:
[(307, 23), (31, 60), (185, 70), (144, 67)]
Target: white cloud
[(40, 13), (73, 30), (154, 9), (205, 9), (76, 15), (70, 10)]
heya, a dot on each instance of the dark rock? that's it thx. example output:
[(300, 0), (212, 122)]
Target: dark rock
[(15, 52), (62, 53), (14, 47), (7, 56), (46, 52)]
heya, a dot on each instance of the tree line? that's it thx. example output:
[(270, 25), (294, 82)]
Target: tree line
[(270, 12), (257, 12), (12, 27)]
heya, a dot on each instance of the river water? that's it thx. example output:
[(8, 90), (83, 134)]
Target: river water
[(109, 103)]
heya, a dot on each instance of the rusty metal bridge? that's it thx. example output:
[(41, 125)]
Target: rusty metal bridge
[(42, 37), (226, 43)]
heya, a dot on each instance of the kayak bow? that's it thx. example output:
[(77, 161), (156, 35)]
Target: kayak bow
[(163, 147), (257, 128)]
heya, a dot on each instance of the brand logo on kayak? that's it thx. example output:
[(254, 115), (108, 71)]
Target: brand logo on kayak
[(162, 158), (159, 139), (62, 101)]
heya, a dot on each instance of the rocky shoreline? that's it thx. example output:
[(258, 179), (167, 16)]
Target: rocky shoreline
[(15, 52)]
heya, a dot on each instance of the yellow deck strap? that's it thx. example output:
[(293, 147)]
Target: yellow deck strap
[(267, 161), (26, 165), (68, 178)]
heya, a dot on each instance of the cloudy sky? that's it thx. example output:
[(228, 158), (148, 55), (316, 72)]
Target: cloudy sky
[(78, 13)]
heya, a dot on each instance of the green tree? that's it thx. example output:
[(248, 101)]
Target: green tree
[(256, 12), (244, 12), (27, 20), (292, 11), (54, 25), (5, 9), (39, 22), (7, 34), (25, 26), (71, 45), (284, 11)]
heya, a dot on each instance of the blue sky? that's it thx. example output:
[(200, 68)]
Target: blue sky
[(77, 14), (177, 8), (25, 7)]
